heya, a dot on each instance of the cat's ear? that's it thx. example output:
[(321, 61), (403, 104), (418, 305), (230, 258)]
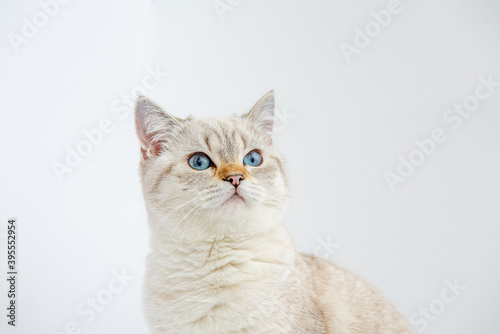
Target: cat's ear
[(154, 126), (262, 115)]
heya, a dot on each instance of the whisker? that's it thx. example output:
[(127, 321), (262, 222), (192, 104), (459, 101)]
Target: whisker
[(164, 219), (197, 214), (180, 222)]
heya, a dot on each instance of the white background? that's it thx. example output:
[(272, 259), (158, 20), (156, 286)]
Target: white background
[(348, 124)]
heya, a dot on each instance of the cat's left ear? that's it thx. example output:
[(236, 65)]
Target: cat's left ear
[(155, 127), (262, 115)]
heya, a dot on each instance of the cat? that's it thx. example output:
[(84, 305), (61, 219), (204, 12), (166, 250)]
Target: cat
[(216, 192)]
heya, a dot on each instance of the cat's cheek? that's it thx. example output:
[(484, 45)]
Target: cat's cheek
[(265, 173)]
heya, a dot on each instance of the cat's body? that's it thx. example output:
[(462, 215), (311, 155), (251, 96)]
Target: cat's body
[(221, 260)]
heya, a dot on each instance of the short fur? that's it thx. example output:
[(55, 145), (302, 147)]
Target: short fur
[(222, 263)]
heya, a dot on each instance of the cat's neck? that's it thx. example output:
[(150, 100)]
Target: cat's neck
[(216, 279), (179, 229), (273, 245)]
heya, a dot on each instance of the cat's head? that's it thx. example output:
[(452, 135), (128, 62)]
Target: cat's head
[(211, 176)]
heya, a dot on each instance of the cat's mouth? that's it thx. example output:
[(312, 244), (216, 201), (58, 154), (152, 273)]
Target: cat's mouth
[(235, 198)]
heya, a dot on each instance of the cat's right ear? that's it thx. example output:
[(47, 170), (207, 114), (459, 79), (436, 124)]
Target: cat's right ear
[(262, 116), (154, 127)]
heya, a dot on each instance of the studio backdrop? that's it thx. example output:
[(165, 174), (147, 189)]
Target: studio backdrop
[(387, 115)]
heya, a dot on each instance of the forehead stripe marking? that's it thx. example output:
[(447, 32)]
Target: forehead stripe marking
[(243, 140), (282, 170), (207, 141)]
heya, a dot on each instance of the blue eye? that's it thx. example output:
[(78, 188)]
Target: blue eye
[(253, 159), (200, 161)]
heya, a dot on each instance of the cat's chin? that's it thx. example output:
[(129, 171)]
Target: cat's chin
[(234, 204)]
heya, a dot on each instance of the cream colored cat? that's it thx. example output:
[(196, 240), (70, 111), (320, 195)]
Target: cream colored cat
[(216, 193)]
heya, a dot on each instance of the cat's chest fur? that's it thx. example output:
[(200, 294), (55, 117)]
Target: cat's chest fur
[(237, 286)]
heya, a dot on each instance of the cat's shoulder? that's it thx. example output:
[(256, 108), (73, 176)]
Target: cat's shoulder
[(322, 266), (327, 274)]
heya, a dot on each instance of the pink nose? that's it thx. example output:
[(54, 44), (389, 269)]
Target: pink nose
[(235, 179)]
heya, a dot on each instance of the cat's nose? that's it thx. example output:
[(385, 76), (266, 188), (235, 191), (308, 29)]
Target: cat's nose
[(235, 179)]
